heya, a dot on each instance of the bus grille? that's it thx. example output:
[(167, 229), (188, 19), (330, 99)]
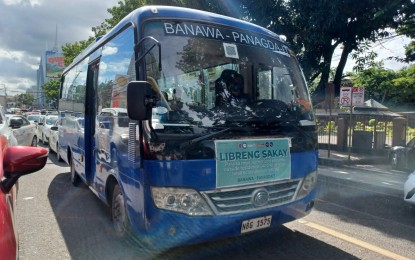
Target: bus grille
[(241, 200)]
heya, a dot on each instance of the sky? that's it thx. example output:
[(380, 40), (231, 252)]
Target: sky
[(387, 48), (27, 30)]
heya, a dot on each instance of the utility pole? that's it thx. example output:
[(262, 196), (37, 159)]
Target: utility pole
[(5, 95)]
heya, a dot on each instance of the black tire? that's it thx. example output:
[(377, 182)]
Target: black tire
[(75, 179), (58, 156), (50, 149), (119, 217), (34, 141)]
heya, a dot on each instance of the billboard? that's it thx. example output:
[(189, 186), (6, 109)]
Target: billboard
[(54, 64)]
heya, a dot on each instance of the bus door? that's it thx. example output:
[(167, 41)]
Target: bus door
[(90, 116)]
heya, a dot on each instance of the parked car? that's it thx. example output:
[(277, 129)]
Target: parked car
[(403, 157), (53, 140), (112, 134), (23, 130), (71, 131), (43, 127), (17, 161), (409, 189), (33, 118), (6, 131)]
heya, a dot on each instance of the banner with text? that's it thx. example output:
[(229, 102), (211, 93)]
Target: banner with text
[(240, 162)]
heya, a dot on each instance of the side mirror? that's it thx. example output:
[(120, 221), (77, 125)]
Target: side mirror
[(140, 100), (54, 128), (39, 123), (19, 161)]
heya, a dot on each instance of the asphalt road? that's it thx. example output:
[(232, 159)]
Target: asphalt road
[(358, 215)]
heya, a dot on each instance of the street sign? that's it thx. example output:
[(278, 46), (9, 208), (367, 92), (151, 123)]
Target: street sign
[(352, 94), (345, 98), (358, 96)]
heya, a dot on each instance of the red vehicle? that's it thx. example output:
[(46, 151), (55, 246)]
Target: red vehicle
[(15, 161)]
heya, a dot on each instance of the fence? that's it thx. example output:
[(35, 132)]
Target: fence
[(367, 132)]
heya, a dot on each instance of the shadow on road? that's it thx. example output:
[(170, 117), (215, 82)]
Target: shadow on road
[(85, 224)]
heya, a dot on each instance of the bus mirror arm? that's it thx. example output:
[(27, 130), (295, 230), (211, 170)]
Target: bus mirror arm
[(157, 43), (140, 100)]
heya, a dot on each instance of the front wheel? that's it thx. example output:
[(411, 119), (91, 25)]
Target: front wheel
[(50, 149), (119, 214), (34, 141), (58, 156), (75, 179)]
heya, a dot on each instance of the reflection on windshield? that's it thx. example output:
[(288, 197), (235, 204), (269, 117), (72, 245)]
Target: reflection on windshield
[(205, 82)]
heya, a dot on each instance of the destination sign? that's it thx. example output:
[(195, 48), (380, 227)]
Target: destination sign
[(224, 34)]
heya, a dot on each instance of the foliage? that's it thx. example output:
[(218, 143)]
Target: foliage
[(365, 58), (407, 27), (314, 29), (51, 90), (404, 85), (378, 83), (410, 52), (394, 88), (71, 50), (25, 99)]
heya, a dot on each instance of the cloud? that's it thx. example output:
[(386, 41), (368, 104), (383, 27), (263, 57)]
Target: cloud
[(28, 30)]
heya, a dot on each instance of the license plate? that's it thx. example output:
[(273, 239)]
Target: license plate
[(255, 224)]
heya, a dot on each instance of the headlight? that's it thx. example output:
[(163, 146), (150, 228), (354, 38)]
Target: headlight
[(187, 201), (307, 185)]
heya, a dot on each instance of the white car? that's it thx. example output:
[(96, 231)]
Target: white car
[(53, 139), (43, 127), (23, 130), (112, 132), (409, 189), (6, 131), (33, 118)]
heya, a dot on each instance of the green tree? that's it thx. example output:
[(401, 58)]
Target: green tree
[(51, 91), (124, 7), (71, 50), (404, 84), (25, 99), (317, 28), (393, 88), (314, 29), (378, 83), (407, 27)]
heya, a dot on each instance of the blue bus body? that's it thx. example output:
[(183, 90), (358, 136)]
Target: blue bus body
[(182, 173)]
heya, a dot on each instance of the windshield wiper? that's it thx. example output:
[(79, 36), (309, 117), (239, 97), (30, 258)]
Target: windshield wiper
[(204, 137)]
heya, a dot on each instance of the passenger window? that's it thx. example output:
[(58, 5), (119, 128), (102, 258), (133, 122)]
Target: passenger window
[(112, 83)]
